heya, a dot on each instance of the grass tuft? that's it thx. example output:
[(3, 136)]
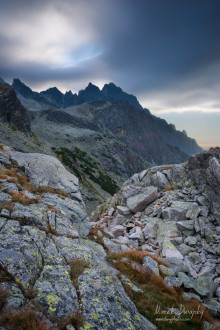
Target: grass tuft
[(76, 320), (156, 293), (77, 267), (21, 198), (3, 297), (30, 293), (5, 276), (7, 206), (50, 230), (23, 320), (169, 188)]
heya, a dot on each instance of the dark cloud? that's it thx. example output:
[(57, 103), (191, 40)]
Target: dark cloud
[(165, 52), (144, 44)]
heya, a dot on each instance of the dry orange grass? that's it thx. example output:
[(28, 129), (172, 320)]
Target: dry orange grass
[(23, 320), (47, 190), (21, 198), (155, 291), (11, 172), (3, 174), (72, 236), (7, 206), (138, 255), (51, 209), (22, 179), (142, 277), (12, 175), (195, 305), (169, 167), (50, 230), (169, 188), (76, 320)]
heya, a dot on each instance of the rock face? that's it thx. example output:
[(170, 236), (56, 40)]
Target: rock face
[(110, 92), (43, 243), (11, 109), (122, 122), (180, 224)]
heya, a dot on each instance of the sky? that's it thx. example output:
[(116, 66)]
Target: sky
[(167, 53)]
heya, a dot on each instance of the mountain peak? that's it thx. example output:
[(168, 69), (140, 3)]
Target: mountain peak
[(21, 88), (112, 91), (2, 82), (52, 91), (92, 87), (111, 85), (90, 94)]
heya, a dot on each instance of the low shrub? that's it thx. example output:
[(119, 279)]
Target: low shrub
[(77, 267), (76, 320), (30, 293), (7, 206), (23, 320), (3, 297), (5, 276)]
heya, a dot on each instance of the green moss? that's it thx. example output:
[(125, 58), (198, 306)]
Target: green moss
[(82, 164)]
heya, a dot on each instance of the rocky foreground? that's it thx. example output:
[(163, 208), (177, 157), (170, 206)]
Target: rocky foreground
[(173, 212), (43, 246), (160, 232)]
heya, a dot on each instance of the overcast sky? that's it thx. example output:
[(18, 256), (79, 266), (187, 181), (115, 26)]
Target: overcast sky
[(166, 52)]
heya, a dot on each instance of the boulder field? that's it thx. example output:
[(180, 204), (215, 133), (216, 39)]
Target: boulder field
[(54, 274), (172, 212)]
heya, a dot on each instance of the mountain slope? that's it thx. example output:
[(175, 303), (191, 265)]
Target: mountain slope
[(11, 109), (138, 130), (102, 142), (52, 97)]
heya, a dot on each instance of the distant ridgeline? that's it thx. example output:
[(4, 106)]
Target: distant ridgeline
[(54, 97), (151, 126)]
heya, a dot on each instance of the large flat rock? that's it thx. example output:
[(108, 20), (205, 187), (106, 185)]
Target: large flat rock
[(44, 170), (139, 202)]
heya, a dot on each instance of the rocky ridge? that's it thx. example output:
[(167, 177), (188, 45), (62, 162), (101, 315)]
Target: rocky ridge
[(54, 97), (172, 212), (50, 272), (11, 109)]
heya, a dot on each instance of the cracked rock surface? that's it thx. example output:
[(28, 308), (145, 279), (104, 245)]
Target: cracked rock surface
[(41, 232)]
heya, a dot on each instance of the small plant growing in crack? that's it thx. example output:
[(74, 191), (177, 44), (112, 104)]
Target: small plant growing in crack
[(30, 293), (3, 297), (76, 320), (77, 267)]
